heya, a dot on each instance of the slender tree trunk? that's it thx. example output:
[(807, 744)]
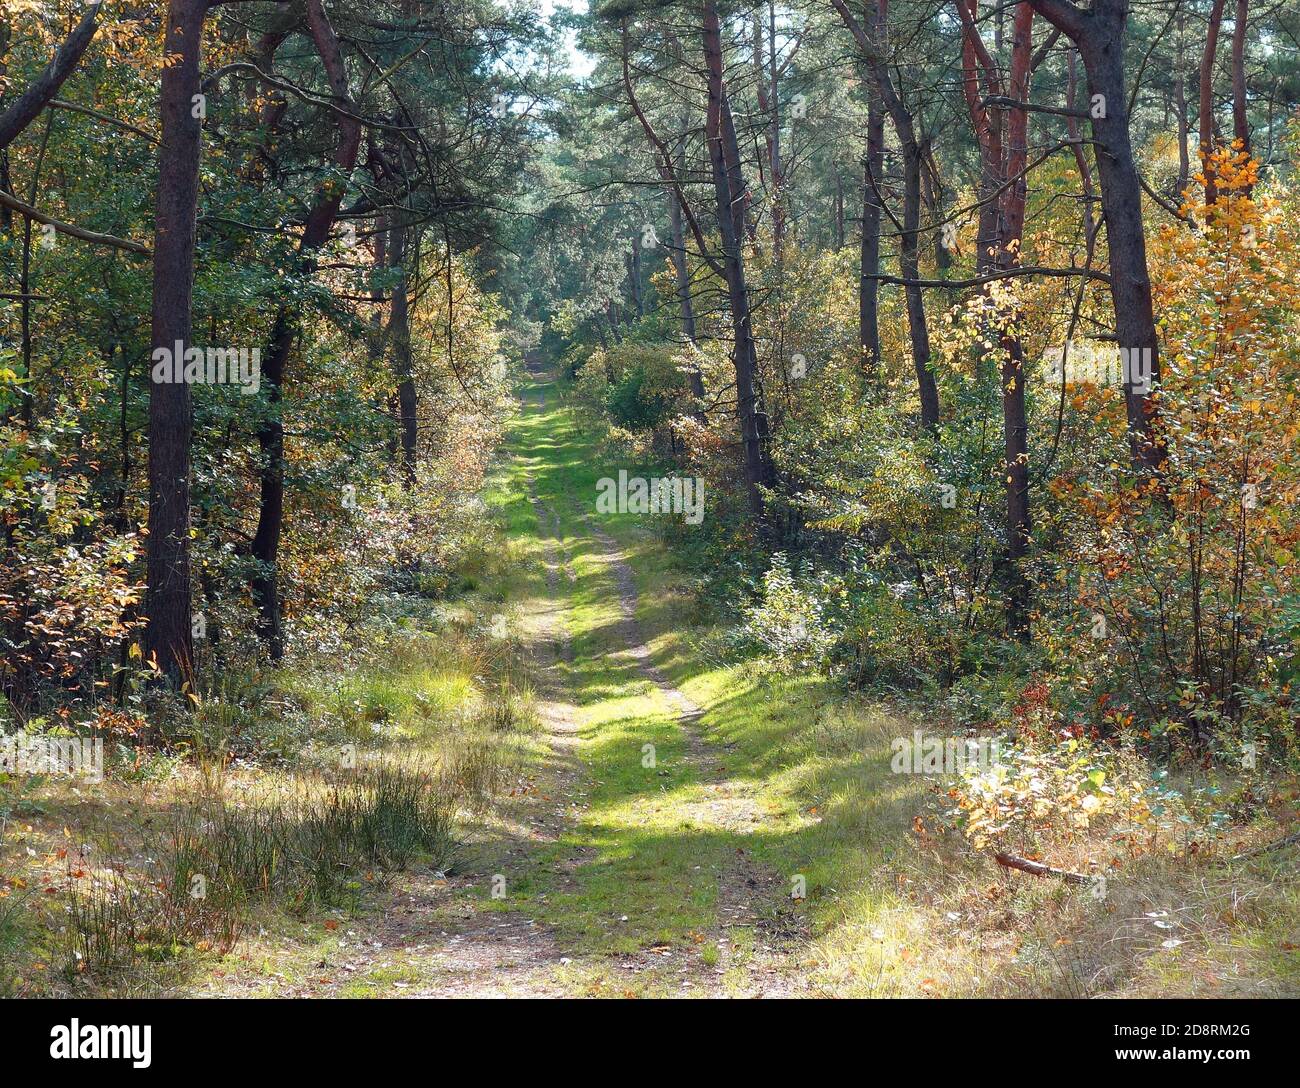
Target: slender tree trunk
[(837, 211), (1206, 113), (1002, 136), (1180, 106), (123, 442), (633, 260), (728, 186), (1240, 122), (872, 186), (27, 406), (1080, 152), (265, 549), (869, 261), (168, 641), (375, 344), (264, 583), (402, 368), (767, 88), (909, 269), (6, 182), (1015, 423), (682, 276), (872, 48), (932, 202)]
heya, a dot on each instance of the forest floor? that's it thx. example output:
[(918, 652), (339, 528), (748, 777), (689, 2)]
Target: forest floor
[(690, 828), (682, 826)]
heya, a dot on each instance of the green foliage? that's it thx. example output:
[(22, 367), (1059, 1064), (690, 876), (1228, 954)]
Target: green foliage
[(633, 403), (788, 622)]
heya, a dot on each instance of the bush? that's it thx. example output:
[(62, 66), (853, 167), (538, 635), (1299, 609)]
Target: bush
[(634, 403), (787, 622)]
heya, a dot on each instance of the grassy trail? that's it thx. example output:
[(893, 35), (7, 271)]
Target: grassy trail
[(655, 820), (652, 888)]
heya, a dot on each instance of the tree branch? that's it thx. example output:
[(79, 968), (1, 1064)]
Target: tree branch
[(21, 114), (1009, 273), (1068, 18), (75, 232), (77, 107), (663, 160)]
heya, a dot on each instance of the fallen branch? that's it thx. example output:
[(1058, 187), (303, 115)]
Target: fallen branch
[(1039, 869), (1270, 847)]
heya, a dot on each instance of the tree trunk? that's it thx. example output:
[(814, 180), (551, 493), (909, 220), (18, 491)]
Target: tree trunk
[(1099, 34), (1206, 112), (682, 276), (837, 211), (633, 260), (1180, 107), (1015, 423), (909, 269), (1003, 141), (168, 641), (402, 368), (728, 186), (869, 262), (1121, 206), (266, 541), (375, 343), (877, 63), (767, 89), (1240, 123), (873, 169)]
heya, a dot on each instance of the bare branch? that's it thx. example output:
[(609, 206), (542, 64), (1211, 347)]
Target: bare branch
[(1009, 273)]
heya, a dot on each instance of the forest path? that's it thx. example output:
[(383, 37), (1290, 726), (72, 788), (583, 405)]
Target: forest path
[(620, 862), (653, 890)]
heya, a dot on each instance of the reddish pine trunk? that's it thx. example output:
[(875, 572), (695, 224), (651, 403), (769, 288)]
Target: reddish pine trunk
[(1240, 124), (1207, 99), (168, 639), (1180, 108)]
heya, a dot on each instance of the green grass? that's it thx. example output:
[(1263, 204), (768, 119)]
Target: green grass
[(644, 866)]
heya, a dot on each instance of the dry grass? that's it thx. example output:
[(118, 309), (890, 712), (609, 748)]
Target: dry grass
[(97, 893)]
